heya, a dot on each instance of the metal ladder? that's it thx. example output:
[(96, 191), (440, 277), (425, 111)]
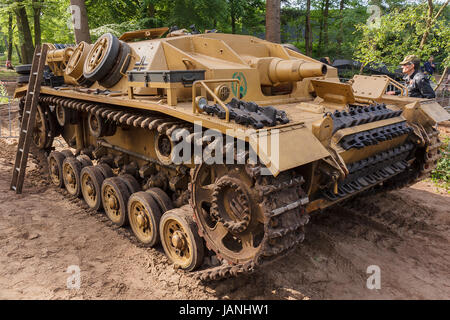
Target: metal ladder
[(28, 118)]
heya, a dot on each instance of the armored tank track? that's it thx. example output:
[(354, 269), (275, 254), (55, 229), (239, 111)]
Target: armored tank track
[(372, 170), (420, 170), (285, 215), (426, 164)]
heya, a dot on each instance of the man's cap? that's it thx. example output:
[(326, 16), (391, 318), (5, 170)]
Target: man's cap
[(410, 59)]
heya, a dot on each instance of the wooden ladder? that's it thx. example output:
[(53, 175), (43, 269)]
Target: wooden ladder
[(28, 117)]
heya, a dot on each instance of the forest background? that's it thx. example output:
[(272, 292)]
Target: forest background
[(382, 31)]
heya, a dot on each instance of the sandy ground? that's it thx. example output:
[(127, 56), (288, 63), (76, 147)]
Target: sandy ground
[(405, 233)]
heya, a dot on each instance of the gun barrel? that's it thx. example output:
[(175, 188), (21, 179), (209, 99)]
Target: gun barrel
[(294, 70)]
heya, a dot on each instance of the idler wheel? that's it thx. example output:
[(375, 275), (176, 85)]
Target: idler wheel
[(180, 239), (101, 57), (144, 215), (91, 186), (115, 197), (42, 135)]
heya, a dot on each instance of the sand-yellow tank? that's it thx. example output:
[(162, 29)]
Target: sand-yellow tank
[(219, 146)]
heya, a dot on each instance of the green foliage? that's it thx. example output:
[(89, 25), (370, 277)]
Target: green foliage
[(3, 94), (400, 34), (402, 26), (441, 175), (293, 17), (55, 22)]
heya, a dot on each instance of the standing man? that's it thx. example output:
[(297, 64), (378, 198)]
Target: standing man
[(417, 83), (429, 66)]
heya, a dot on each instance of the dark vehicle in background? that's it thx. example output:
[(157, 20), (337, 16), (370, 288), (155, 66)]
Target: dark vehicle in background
[(346, 69)]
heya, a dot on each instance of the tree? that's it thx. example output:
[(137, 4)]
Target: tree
[(37, 7), (80, 21), (430, 20), (401, 33), (273, 32), (26, 39), (308, 30), (10, 36), (235, 8), (244, 15), (341, 25), (325, 22)]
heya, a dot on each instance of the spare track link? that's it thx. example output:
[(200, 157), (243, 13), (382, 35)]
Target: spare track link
[(283, 228), (358, 115), (285, 214)]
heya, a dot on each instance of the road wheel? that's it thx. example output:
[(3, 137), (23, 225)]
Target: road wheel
[(24, 69), (97, 125), (55, 166), (131, 182), (163, 200), (105, 170), (84, 160), (91, 186), (23, 79), (115, 197), (180, 240), (101, 57), (67, 153), (71, 175), (122, 63), (63, 115), (144, 216)]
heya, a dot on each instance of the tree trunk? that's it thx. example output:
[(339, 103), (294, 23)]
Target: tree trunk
[(37, 7), (321, 28), (273, 31), (325, 24), (233, 16), (429, 22), (80, 21), (151, 10), (308, 43), (18, 54), (26, 40), (441, 80), (10, 37), (341, 26)]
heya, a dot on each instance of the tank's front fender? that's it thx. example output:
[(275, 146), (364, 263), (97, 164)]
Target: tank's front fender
[(287, 147)]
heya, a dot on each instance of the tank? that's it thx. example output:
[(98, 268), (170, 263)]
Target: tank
[(220, 146)]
